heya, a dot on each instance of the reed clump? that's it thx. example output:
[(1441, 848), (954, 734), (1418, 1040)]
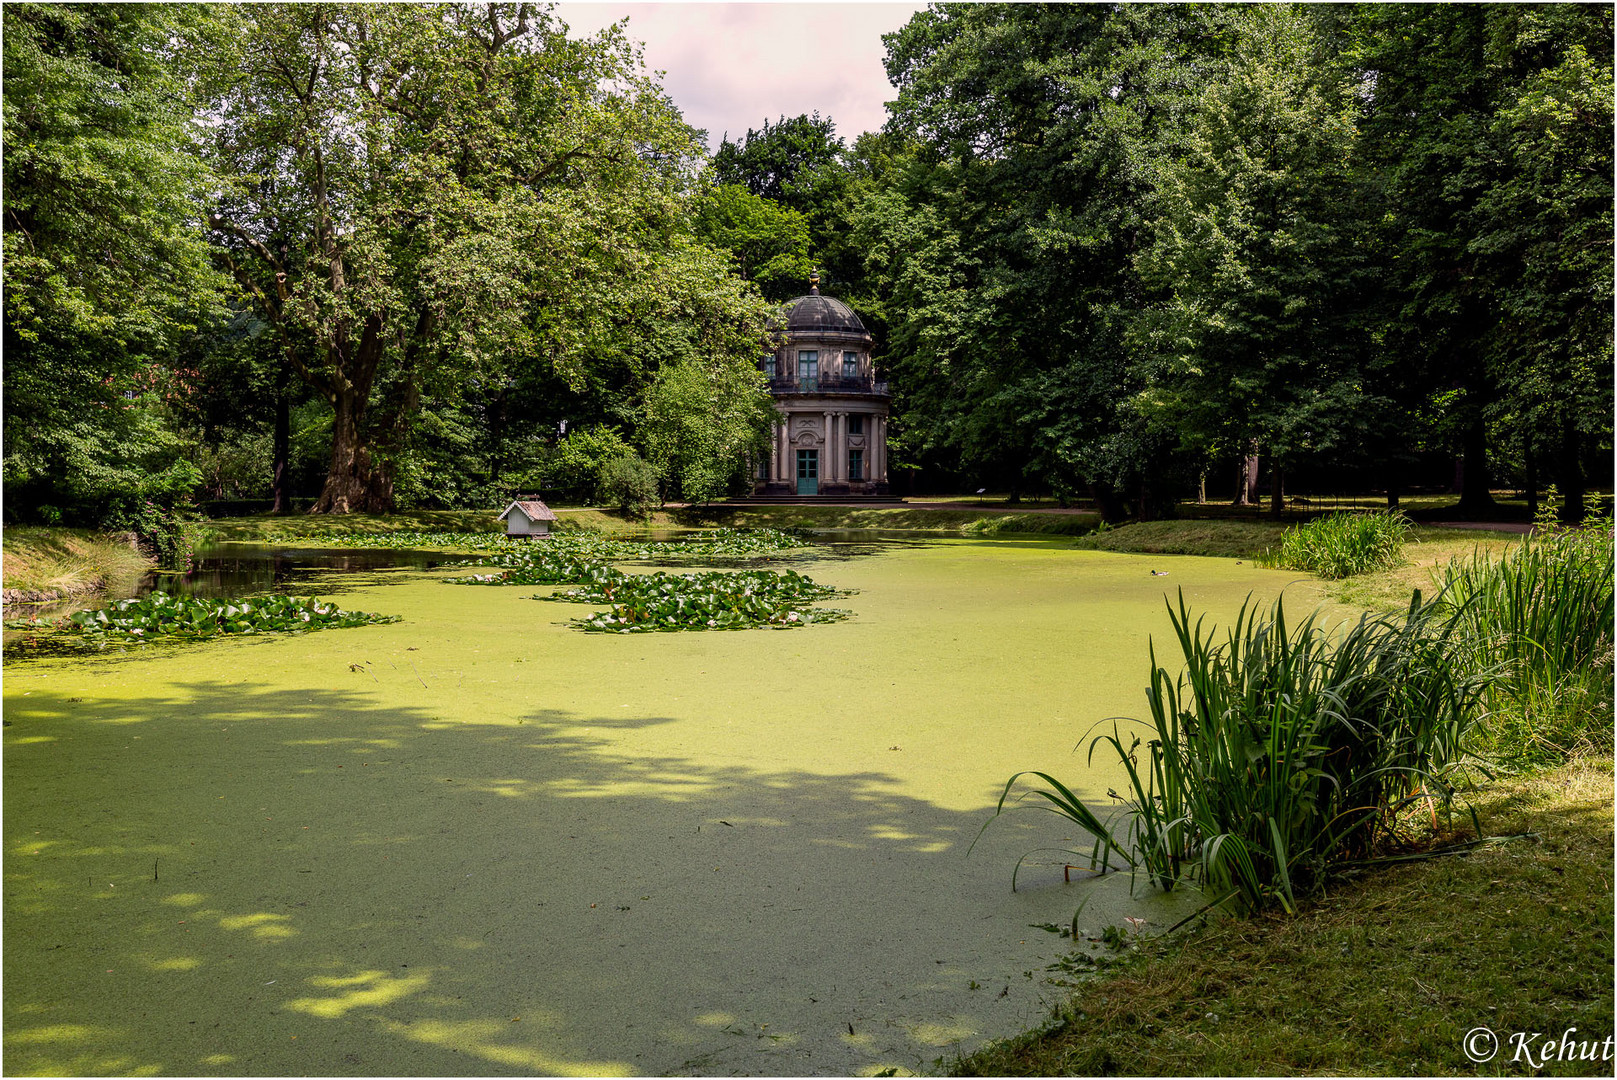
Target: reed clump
[(1538, 621), (1343, 545), (1280, 752)]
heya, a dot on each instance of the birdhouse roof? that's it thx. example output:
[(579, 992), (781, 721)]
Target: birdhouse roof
[(532, 508)]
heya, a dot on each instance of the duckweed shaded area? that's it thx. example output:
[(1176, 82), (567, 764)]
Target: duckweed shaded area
[(478, 842)]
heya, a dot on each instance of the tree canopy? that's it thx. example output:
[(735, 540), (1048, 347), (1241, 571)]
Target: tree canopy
[(429, 255)]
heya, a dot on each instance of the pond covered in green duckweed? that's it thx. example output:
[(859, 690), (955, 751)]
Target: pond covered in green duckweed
[(477, 841)]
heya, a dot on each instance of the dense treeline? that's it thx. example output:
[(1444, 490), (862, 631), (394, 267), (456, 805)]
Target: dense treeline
[(1128, 244), (389, 254), (427, 256)]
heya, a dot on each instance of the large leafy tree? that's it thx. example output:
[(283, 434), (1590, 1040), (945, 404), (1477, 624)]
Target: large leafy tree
[(768, 241), (1488, 128), (1260, 334), (441, 201), (790, 161), (107, 272), (1006, 248), (801, 164)]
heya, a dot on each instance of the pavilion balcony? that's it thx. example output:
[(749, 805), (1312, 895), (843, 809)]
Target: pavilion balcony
[(829, 384)]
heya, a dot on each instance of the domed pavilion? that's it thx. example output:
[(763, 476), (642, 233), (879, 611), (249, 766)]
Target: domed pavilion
[(832, 434)]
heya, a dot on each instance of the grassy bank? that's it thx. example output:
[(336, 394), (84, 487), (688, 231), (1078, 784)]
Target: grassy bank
[(1232, 539), (43, 564), (965, 520), (1429, 550), (1222, 539), (1428, 547), (1386, 976)]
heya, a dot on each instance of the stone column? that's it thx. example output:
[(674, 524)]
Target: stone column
[(828, 469), (782, 445), (832, 445), (841, 447), (879, 468), (873, 448)]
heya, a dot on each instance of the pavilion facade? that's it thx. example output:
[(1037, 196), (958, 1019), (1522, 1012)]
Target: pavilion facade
[(831, 438)]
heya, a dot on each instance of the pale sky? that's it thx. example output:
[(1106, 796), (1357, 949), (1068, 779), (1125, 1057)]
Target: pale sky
[(731, 66)]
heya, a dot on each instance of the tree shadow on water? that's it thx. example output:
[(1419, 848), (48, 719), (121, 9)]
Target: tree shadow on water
[(241, 879)]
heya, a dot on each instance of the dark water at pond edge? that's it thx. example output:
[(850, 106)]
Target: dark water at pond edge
[(241, 569)]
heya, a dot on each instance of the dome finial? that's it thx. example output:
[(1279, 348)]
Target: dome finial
[(814, 282)]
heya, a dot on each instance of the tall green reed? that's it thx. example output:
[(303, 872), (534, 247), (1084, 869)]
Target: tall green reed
[(1278, 752), (1343, 545), (1539, 619)]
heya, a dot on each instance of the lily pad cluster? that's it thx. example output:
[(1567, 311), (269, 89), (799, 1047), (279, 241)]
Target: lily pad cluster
[(660, 602), (707, 544), (642, 603), (551, 567), (161, 615)]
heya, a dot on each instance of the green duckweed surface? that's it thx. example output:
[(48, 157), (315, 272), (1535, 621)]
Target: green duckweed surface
[(479, 842)]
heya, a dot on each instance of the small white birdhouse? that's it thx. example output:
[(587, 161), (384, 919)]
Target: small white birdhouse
[(527, 517)]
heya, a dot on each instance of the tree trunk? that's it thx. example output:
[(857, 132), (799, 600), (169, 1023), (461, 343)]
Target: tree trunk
[(282, 454), (1246, 482), (1475, 498), (1112, 507), (1201, 489), (496, 436), (353, 485), (1571, 479), (1277, 489), (1394, 492), (1530, 481)]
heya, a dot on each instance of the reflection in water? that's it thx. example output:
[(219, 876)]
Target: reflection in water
[(254, 569)]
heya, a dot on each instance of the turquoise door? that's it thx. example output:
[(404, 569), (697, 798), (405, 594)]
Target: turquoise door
[(808, 472)]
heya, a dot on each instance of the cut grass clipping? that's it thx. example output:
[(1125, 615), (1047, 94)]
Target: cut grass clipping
[(1343, 545), (1280, 754), (159, 615)]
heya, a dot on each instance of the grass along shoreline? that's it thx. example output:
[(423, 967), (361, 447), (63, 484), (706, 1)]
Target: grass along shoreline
[(41, 565), (1385, 975)]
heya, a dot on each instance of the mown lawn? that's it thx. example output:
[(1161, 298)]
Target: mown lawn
[(1384, 976)]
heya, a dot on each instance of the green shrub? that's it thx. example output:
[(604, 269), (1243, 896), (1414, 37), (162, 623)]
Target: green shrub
[(169, 530), (629, 483), (1280, 752), (574, 466), (1538, 624), (1343, 545)]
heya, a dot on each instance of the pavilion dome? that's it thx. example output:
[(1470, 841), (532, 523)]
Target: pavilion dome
[(821, 314)]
